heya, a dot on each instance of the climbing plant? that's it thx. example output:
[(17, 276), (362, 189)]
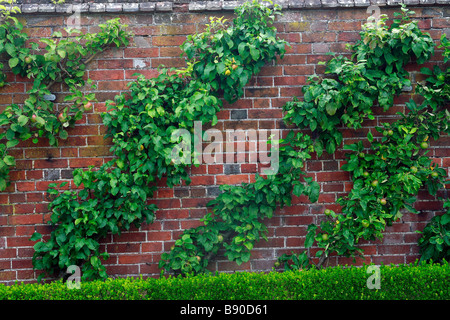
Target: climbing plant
[(386, 177), (148, 125), (47, 62), (350, 88), (236, 221)]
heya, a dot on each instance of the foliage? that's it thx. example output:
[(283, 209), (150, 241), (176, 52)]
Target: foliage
[(151, 129), (375, 73), (387, 178), (61, 60), (436, 88), (403, 282), (236, 220), (435, 241), (227, 57)]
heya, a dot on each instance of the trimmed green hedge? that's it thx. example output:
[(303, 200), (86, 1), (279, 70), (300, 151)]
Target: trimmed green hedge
[(412, 282)]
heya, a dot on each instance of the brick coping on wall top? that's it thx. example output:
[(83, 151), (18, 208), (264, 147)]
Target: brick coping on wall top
[(197, 6)]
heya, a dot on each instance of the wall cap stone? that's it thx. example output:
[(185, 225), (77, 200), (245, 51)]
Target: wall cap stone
[(215, 5)]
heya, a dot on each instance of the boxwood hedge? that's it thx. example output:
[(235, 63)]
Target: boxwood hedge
[(411, 282)]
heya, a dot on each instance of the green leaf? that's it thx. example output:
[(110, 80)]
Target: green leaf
[(36, 236), (445, 219), (78, 179), (370, 136), (13, 62), (9, 160), (12, 143), (10, 49), (254, 53), (331, 109), (315, 191), (242, 50), (22, 120), (40, 120), (310, 236), (63, 134)]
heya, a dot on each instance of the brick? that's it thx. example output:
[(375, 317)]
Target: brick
[(30, 219), (25, 186), (50, 163), (349, 36), (238, 114), (202, 180), (194, 202), (23, 208), (265, 113), (261, 92), (299, 26), (333, 176), (106, 75), (86, 162), (299, 70), (234, 179), (95, 151), (168, 40)]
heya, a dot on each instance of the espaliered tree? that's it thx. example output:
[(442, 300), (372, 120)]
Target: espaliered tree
[(143, 125), (388, 175), (47, 62)]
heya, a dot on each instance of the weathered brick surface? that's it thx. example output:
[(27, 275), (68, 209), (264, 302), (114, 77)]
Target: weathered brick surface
[(312, 33)]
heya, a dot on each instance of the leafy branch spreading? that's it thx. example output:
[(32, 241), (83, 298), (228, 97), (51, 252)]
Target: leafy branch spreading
[(386, 178), (149, 126), (62, 60), (375, 73), (236, 221)]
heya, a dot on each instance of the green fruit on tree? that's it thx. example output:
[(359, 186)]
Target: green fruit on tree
[(434, 174), (325, 236), (366, 174), (365, 223), (374, 183), (277, 264), (62, 117), (28, 60), (414, 169), (327, 212), (220, 238), (249, 226), (424, 145), (88, 106), (390, 132), (383, 201)]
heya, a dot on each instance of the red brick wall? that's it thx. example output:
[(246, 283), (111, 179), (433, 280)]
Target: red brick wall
[(312, 33)]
